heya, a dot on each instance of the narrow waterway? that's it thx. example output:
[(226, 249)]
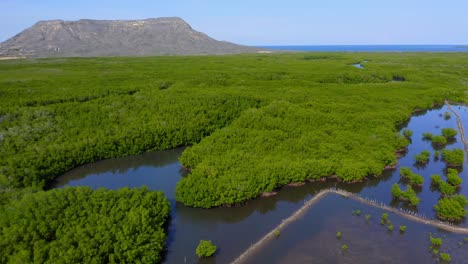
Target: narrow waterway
[(232, 229)]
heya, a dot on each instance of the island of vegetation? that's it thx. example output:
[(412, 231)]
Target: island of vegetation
[(413, 178), (422, 157), (448, 134), (453, 157), (205, 248), (444, 187), (408, 195), (452, 207)]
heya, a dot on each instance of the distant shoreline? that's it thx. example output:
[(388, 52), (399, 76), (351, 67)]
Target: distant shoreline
[(370, 48)]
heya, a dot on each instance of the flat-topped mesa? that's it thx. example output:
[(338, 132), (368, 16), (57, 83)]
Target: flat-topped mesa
[(49, 22), (86, 38)]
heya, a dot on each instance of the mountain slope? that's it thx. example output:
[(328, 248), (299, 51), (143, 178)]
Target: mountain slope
[(156, 36)]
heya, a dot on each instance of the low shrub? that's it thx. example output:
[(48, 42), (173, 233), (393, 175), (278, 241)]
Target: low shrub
[(449, 132), (205, 249), (447, 115), (445, 257), (422, 157), (453, 157), (453, 178), (414, 179), (435, 241), (408, 195), (439, 140), (407, 133), (427, 136), (451, 208)]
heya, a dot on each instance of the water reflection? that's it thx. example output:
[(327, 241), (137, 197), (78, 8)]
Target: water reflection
[(358, 65), (148, 169), (312, 239)]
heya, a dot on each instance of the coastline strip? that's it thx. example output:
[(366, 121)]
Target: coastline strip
[(404, 213)]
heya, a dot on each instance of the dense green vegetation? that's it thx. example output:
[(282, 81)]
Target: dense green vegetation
[(413, 178), (445, 257), (427, 136), (79, 225), (422, 157), (407, 133), (444, 187), (256, 122), (435, 241), (408, 195), (453, 178), (453, 157), (439, 140), (451, 208), (60, 113), (449, 132), (205, 248)]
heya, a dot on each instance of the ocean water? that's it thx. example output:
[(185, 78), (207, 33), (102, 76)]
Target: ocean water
[(373, 48)]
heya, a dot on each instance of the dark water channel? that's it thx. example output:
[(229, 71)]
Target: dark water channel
[(235, 229)]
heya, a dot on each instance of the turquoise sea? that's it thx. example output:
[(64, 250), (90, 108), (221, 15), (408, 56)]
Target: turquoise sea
[(373, 48)]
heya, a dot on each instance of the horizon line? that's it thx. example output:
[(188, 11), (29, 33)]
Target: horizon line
[(302, 45)]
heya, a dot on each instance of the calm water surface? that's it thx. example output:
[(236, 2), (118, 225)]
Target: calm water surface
[(235, 229), (358, 65), (312, 239)]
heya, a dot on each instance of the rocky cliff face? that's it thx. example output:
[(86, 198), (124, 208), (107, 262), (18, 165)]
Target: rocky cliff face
[(147, 37)]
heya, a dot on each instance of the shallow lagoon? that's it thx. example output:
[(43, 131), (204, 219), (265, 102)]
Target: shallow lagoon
[(312, 239), (235, 229)]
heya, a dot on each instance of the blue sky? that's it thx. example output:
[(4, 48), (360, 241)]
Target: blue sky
[(295, 22)]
